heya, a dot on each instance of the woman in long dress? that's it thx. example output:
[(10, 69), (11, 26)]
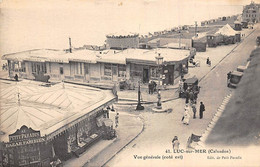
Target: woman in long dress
[(186, 119)]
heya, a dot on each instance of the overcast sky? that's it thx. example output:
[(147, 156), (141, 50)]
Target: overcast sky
[(30, 24)]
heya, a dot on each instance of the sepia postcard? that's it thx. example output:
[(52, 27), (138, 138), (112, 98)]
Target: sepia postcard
[(129, 83)]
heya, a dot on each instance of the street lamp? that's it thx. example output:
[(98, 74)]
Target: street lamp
[(139, 105), (159, 62)]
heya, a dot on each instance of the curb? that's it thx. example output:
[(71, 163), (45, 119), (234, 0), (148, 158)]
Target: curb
[(85, 84), (213, 121), (127, 143), (224, 57), (143, 102)]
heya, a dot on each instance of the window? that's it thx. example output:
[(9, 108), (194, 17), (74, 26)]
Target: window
[(86, 68), (121, 70), (44, 68), (33, 67), (107, 69), (78, 68), (154, 72), (61, 70), (50, 67), (136, 70), (21, 67)]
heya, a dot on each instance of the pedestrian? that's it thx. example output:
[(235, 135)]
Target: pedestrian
[(116, 119), (187, 96), (150, 87), (181, 85), (194, 110), (207, 62), (202, 109), (187, 107), (186, 119), (16, 77), (175, 143), (107, 113), (154, 86)]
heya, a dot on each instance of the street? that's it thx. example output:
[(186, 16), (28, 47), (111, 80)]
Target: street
[(160, 128)]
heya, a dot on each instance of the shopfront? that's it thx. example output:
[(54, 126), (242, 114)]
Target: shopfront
[(79, 136), (26, 148)]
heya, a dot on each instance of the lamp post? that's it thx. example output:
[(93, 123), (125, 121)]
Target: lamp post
[(139, 104), (159, 62)]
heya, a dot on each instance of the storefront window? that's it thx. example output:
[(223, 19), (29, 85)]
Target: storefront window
[(154, 72), (80, 68), (61, 70), (33, 67), (136, 70), (107, 69), (86, 68), (121, 70), (50, 67), (44, 68)]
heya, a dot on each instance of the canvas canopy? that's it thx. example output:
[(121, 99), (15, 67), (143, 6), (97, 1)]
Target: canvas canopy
[(50, 110), (226, 30)]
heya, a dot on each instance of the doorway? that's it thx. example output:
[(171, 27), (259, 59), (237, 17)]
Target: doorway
[(145, 75), (114, 73)]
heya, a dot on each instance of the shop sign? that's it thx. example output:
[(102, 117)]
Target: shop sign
[(82, 60), (57, 61), (35, 59), (24, 133), (25, 142)]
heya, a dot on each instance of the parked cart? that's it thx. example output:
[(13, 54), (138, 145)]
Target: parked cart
[(189, 85)]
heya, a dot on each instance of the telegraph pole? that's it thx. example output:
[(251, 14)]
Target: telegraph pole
[(196, 29), (70, 44)]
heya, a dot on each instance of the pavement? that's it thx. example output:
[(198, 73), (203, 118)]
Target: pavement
[(130, 126), (160, 128)]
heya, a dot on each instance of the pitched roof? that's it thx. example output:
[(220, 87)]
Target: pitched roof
[(46, 109), (227, 30)]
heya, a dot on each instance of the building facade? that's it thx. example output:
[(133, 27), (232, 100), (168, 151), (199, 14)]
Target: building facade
[(122, 40), (106, 66), (29, 140), (251, 13)]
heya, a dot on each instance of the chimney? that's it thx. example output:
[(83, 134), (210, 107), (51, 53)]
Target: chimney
[(70, 44)]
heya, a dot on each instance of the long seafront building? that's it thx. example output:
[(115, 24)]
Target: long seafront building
[(39, 122), (99, 66)]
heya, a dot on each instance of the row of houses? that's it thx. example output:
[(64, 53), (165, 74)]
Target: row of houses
[(100, 66)]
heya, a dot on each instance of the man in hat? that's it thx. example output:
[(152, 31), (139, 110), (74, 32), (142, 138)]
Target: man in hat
[(116, 119), (16, 77), (202, 109)]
